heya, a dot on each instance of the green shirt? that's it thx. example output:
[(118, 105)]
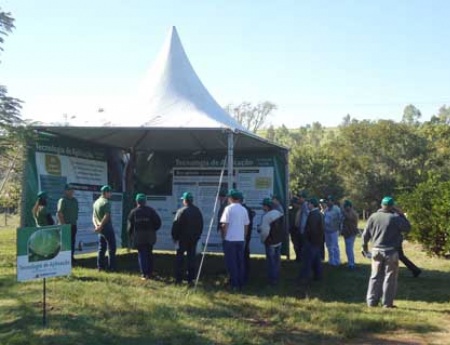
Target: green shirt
[(41, 216), (102, 206), (69, 209)]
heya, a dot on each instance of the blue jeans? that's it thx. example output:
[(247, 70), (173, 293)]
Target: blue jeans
[(349, 244), (107, 240), (145, 259), (189, 249), (273, 258), (332, 243), (234, 259), (311, 260)]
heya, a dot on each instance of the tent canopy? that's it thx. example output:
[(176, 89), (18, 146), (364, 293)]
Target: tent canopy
[(182, 115)]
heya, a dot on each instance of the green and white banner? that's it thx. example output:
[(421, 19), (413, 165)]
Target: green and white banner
[(43, 252)]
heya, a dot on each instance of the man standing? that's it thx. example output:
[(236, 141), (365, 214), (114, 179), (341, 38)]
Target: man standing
[(187, 228), (143, 222), (384, 228), (300, 219), (349, 231), (312, 248), (333, 217), (272, 235), (235, 226), (248, 237), (67, 212), (101, 218)]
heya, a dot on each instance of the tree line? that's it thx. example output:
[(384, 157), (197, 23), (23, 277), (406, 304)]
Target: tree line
[(364, 160)]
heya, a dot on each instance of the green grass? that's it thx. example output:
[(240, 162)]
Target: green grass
[(118, 308)]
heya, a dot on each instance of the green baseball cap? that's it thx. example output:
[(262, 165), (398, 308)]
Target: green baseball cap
[(187, 196), (348, 203), (105, 189), (42, 195), (267, 202), (387, 201), (141, 197), (314, 202), (68, 186), (235, 194)]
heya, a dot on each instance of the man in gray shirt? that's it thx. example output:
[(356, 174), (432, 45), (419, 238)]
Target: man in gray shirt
[(384, 229)]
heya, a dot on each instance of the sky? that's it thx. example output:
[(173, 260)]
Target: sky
[(316, 60)]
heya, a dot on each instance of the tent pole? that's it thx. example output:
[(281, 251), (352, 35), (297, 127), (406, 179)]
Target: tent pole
[(230, 159)]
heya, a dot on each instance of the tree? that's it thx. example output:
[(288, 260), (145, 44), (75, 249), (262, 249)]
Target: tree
[(411, 115), (252, 117)]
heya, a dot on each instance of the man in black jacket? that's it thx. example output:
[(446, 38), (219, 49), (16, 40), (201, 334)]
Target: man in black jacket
[(186, 231), (143, 222), (314, 235)]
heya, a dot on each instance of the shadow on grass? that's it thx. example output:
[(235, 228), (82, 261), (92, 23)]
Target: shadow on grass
[(339, 284)]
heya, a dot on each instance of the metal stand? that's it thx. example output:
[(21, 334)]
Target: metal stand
[(44, 306)]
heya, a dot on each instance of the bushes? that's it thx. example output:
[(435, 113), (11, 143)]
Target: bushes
[(428, 210)]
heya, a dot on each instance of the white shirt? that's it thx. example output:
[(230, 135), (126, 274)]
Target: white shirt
[(236, 216), (267, 219)]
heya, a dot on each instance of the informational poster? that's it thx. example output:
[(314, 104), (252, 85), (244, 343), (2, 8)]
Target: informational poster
[(86, 171), (166, 209), (43, 252), (256, 183)]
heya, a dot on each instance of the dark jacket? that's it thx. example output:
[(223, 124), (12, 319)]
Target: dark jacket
[(143, 222), (315, 228), (276, 234), (385, 229), (187, 226), (349, 223), (251, 215)]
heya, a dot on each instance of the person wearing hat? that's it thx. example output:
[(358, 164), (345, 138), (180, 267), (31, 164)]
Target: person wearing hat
[(223, 202), (40, 212), (385, 229), (101, 218), (349, 231), (277, 203), (143, 222), (293, 212), (333, 219), (312, 248), (67, 213), (300, 219), (248, 237), (272, 235), (235, 222), (187, 228)]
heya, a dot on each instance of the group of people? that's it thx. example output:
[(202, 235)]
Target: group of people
[(313, 224)]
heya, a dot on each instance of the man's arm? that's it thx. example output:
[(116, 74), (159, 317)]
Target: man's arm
[(366, 235), (59, 213)]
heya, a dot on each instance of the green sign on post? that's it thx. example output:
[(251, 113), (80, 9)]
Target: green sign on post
[(43, 252)]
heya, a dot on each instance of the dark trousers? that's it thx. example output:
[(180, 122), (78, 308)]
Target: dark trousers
[(311, 260), (107, 241), (145, 259), (189, 249), (246, 261), (234, 259), (408, 263), (73, 228), (273, 259)]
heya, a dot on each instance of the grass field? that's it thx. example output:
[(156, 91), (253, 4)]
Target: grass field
[(89, 307)]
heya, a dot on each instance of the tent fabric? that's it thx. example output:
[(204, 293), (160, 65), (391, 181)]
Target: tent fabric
[(182, 115), (172, 95)]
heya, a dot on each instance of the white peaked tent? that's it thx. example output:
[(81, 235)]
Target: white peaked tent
[(180, 115)]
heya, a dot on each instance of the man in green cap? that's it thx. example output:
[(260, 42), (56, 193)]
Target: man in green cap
[(67, 212), (349, 231), (235, 222), (187, 228), (143, 222), (101, 218), (385, 230), (40, 212)]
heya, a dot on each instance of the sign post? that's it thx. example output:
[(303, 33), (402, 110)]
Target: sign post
[(42, 253)]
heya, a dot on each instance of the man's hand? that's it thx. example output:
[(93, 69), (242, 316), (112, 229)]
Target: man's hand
[(98, 229)]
